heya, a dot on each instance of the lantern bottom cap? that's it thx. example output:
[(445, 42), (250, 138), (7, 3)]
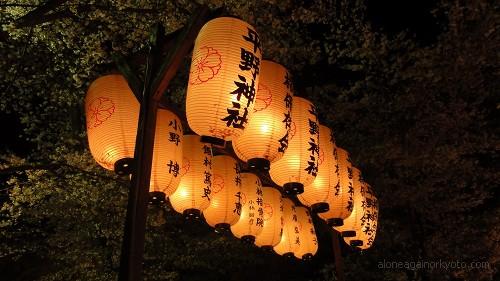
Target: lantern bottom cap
[(289, 255), (222, 228), (248, 239), (307, 257), (293, 188), (156, 197), (356, 243), (349, 233), (259, 164), (320, 207), (191, 214), (213, 140), (335, 222), (124, 166), (268, 249)]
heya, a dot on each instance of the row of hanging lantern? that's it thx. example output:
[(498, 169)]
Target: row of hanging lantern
[(234, 95)]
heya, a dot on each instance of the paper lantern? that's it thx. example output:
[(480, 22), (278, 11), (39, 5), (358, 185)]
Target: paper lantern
[(225, 202), (299, 164), (348, 229), (270, 235), (265, 138), (366, 220), (308, 241), (251, 220), (290, 239), (167, 153), (195, 187), (223, 79), (341, 201), (111, 110), (323, 187)]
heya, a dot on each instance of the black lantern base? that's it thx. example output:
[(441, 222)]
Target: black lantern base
[(307, 257), (293, 188), (156, 197), (349, 233), (213, 140), (356, 243), (289, 255), (259, 164), (192, 214), (321, 207), (248, 239), (335, 222), (222, 228), (268, 249), (124, 166)]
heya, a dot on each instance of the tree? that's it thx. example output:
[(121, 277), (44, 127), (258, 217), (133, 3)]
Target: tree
[(419, 120)]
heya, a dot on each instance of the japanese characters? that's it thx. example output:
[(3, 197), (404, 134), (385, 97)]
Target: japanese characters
[(299, 164), (266, 134), (252, 207), (195, 173), (224, 78)]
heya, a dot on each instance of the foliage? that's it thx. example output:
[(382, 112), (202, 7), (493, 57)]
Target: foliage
[(419, 120)]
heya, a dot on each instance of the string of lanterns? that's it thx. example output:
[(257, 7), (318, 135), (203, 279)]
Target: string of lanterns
[(234, 95)]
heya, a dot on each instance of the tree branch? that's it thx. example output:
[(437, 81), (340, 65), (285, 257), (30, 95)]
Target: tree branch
[(54, 166), (19, 5), (39, 13)]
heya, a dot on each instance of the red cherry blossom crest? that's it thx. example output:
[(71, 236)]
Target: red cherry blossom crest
[(207, 63), (186, 166), (268, 211), (263, 98), (217, 183), (220, 133), (100, 109), (321, 157)]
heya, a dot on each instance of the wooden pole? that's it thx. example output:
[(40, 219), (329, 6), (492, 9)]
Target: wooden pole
[(154, 85), (339, 264)]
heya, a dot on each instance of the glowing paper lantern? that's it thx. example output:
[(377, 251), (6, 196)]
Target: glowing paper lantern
[(265, 138), (193, 194), (223, 79), (366, 220), (111, 111), (251, 220), (225, 202), (299, 164), (341, 202), (308, 241), (167, 153), (270, 235), (290, 239), (323, 187), (348, 229)]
